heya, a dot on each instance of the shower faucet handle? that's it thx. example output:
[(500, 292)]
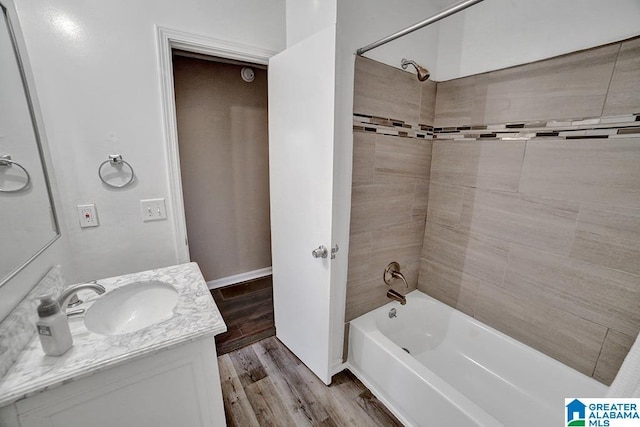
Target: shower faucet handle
[(320, 252), (393, 272)]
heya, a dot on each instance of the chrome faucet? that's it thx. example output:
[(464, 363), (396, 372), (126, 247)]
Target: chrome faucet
[(69, 297), (396, 296)]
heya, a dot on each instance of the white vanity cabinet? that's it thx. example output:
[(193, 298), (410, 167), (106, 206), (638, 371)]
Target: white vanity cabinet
[(179, 386), (162, 374)]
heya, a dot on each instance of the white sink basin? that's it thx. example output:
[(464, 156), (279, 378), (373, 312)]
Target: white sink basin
[(131, 307)]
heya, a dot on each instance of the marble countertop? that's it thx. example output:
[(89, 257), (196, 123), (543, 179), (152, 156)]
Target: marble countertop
[(195, 316)]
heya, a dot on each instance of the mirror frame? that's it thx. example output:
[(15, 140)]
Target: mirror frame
[(19, 50)]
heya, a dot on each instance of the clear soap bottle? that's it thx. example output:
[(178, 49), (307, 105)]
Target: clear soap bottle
[(53, 327)]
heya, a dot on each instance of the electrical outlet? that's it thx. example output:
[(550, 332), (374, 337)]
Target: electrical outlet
[(153, 209), (88, 215)]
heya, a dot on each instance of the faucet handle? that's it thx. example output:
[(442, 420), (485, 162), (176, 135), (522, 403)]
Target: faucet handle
[(74, 300), (392, 271)]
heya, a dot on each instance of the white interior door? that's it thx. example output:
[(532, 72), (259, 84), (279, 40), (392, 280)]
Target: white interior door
[(301, 129)]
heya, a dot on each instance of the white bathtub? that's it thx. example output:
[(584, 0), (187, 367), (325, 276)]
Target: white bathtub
[(459, 372)]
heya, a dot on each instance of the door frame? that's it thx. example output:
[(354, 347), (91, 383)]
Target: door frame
[(168, 39)]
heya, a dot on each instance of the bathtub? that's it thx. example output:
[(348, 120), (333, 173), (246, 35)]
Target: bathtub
[(435, 366)]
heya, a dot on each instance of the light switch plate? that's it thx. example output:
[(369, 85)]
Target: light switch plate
[(88, 215), (153, 209)]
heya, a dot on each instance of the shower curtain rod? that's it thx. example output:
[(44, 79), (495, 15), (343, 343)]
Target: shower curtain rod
[(435, 18)]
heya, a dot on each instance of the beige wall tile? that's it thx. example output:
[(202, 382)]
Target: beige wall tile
[(590, 170), (448, 285), (359, 267), (384, 91), (607, 297), (608, 235), (397, 237), (456, 101), (569, 86), (624, 91), (401, 159), (366, 296), (387, 218), (555, 332), (445, 204), (381, 205), (614, 350), (401, 243), (473, 254), (365, 288), (364, 158), (427, 102), (541, 223), (420, 201), (484, 164)]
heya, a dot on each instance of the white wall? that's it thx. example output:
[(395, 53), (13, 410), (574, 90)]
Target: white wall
[(502, 33), (488, 36), (361, 22), (308, 17), (96, 71)]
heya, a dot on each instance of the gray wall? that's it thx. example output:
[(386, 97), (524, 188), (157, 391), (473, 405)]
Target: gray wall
[(224, 162)]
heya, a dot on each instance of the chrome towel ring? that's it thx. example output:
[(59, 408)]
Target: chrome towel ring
[(116, 161), (5, 160)]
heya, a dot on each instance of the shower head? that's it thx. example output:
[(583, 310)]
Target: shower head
[(423, 73)]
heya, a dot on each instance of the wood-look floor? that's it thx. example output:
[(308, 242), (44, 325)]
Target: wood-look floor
[(264, 384), (247, 310)]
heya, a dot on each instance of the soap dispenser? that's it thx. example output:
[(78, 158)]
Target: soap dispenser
[(53, 327)]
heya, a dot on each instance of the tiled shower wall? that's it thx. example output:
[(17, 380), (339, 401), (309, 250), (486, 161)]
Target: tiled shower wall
[(533, 218), (390, 180)]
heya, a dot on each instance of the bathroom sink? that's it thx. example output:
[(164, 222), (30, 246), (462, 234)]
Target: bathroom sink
[(131, 307)]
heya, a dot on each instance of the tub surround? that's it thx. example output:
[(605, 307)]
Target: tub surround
[(390, 183), (533, 211), (532, 169), (195, 316)]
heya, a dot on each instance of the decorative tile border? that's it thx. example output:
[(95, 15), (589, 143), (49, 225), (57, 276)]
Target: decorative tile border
[(603, 127), (393, 127)]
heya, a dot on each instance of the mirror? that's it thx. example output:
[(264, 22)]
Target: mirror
[(28, 223)]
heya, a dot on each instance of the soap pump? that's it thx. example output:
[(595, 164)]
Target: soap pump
[(53, 327)]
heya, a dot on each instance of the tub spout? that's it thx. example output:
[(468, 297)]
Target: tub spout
[(396, 296)]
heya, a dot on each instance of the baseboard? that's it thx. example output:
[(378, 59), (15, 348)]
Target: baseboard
[(239, 278)]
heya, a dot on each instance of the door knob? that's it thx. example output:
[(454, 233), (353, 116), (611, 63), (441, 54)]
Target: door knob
[(320, 252)]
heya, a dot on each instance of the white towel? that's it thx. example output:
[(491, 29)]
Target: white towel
[(627, 382)]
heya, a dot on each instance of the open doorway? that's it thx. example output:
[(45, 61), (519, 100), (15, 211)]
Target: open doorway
[(222, 126)]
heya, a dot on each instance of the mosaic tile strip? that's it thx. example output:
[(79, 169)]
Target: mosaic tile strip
[(602, 127), (393, 127)]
